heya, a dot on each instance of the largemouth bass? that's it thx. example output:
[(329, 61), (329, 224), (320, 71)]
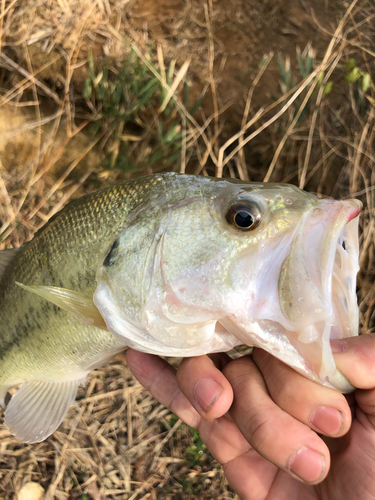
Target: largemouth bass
[(175, 265)]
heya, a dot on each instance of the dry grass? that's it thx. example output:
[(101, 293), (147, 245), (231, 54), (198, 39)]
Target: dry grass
[(116, 441)]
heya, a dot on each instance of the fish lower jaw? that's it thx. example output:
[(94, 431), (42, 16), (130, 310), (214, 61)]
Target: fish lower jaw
[(136, 335), (306, 349), (316, 338), (314, 345)]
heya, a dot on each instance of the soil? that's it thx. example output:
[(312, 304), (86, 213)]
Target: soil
[(242, 32)]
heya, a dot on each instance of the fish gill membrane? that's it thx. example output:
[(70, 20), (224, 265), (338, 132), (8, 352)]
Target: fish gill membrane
[(174, 265)]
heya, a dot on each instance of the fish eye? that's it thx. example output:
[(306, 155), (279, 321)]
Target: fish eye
[(244, 215)]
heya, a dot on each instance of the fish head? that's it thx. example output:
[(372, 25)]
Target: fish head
[(211, 264)]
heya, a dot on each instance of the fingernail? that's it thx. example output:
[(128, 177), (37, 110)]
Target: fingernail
[(338, 346), (308, 465), (327, 420), (206, 393)]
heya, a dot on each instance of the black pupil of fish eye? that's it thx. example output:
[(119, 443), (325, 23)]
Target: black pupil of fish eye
[(243, 219)]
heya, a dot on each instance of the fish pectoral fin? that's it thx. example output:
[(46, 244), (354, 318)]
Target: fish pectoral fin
[(80, 305), (38, 408)]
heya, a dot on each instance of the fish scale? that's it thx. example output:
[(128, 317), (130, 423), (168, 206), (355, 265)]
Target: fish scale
[(63, 253)]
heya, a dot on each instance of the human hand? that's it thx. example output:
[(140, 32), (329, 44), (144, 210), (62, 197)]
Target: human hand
[(267, 436)]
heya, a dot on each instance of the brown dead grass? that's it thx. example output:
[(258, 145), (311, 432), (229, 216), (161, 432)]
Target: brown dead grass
[(116, 441)]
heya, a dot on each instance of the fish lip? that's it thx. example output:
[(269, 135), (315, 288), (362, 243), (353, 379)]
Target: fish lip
[(338, 283), (329, 239), (317, 288), (355, 211), (340, 255)]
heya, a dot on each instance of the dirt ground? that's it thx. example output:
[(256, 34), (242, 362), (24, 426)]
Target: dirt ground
[(241, 32)]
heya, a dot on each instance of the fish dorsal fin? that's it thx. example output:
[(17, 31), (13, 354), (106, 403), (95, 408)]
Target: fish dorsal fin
[(6, 256), (38, 408), (76, 303)]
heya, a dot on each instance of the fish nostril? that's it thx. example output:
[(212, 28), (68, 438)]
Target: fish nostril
[(344, 245), (317, 212)]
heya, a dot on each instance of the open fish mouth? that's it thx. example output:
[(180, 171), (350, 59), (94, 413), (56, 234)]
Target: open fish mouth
[(317, 288), (344, 320)]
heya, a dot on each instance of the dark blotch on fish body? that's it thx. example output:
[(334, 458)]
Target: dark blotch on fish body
[(111, 257)]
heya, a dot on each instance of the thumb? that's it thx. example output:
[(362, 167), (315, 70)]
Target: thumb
[(355, 358)]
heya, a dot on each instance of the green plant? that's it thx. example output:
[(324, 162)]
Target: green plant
[(131, 108), (288, 81), (355, 74), (197, 452), (360, 83)]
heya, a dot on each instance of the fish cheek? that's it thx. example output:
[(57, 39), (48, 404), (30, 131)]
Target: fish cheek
[(128, 266), (197, 251)]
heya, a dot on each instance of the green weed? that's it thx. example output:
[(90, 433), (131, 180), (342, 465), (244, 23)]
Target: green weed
[(197, 453), (127, 103), (288, 81)]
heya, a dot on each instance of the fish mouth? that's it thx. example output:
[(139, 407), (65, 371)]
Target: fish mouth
[(345, 317), (317, 288)]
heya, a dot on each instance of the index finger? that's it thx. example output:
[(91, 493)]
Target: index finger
[(273, 433)]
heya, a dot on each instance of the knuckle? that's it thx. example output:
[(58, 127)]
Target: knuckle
[(261, 356), (188, 371), (286, 389), (281, 380), (153, 382), (238, 370), (365, 359), (362, 365), (366, 400), (258, 425)]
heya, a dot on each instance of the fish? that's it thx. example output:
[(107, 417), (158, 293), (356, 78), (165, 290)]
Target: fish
[(174, 265)]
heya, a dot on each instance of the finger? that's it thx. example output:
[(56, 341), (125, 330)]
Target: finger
[(205, 386), (323, 409), (366, 401), (159, 378), (221, 436), (273, 433), (355, 358)]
